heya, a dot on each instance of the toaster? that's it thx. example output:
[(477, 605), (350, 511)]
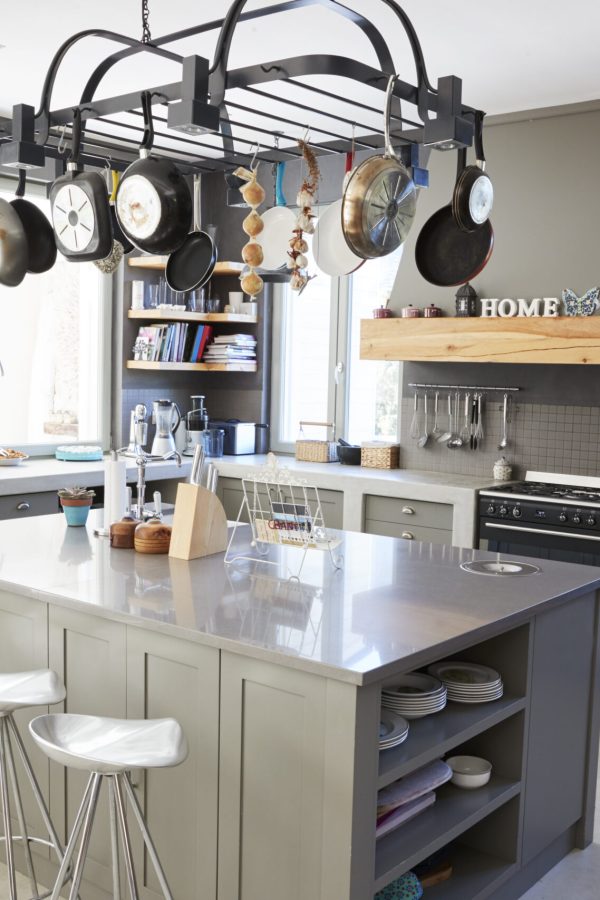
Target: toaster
[(239, 436)]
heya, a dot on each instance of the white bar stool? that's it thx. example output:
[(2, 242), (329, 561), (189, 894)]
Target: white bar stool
[(21, 690), (109, 748)]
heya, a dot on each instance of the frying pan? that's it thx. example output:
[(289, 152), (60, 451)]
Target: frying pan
[(332, 254), (118, 233), (80, 211), (473, 196), (278, 228), (446, 255), (41, 244), (14, 253), (193, 263), (154, 207)]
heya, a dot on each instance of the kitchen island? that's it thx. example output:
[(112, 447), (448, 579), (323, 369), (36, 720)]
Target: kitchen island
[(277, 684)]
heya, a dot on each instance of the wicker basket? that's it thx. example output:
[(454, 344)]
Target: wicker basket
[(380, 456), (314, 450)]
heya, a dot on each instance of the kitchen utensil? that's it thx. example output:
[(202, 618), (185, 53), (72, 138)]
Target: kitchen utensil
[(380, 199), (348, 454), (14, 249), (278, 228), (122, 534), (432, 312), (455, 440), (472, 438), (469, 771), (152, 537), (166, 416), (41, 243), (446, 255), (473, 196), (504, 439), (80, 208), (213, 441), (410, 312), (436, 430), (479, 433), (333, 255), (193, 263), (154, 207), (446, 435), (465, 432), (414, 430), (424, 434)]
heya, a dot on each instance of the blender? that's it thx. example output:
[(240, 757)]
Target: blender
[(166, 416), (196, 422)]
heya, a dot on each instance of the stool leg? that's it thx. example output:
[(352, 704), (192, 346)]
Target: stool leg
[(20, 814), (8, 837), (85, 836), (162, 878), (68, 855), (36, 789), (114, 837), (133, 891)]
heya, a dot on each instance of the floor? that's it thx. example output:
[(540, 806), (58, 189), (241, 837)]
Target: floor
[(577, 877)]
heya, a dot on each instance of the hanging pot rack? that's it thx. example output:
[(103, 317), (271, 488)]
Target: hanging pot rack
[(229, 131)]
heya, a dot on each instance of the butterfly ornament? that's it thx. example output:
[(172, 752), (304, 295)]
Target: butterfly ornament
[(581, 306)]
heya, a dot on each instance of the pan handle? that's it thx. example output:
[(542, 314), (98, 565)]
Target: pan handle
[(20, 191), (389, 150), (73, 160), (478, 139), (148, 140), (279, 195)]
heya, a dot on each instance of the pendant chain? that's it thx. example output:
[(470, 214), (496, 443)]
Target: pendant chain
[(146, 36)]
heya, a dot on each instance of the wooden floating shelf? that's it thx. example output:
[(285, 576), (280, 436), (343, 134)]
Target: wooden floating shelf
[(563, 340), (174, 315), (158, 263), (191, 367)]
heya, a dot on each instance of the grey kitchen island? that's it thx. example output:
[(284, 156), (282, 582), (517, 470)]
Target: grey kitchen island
[(277, 684)]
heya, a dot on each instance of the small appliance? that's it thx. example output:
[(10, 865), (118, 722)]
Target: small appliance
[(166, 416), (240, 437), (138, 432), (196, 421)]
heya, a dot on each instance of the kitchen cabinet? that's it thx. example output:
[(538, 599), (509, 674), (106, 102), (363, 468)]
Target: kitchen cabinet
[(418, 520), (230, 493), (20, 506)]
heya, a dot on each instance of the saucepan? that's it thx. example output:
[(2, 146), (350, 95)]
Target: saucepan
[(41, 244), (14, 253)]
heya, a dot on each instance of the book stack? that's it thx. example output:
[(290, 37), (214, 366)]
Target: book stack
[(231, 348), (176, 342)]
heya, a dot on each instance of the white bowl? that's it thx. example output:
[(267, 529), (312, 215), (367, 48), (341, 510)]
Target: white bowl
[(469, 771)]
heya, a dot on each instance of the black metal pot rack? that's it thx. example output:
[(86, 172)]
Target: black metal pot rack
[(229, 130)]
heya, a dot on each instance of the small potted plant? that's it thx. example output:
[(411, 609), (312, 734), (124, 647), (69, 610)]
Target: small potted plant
[(76, 503)]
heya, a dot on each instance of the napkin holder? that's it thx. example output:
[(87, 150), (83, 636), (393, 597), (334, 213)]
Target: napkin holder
[(199, 523)]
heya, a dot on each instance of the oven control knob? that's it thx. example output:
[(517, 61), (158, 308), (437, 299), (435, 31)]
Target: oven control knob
[(491, 509), (503, 511), (591, 521), (576, 519), (517, 512), (563, 517)]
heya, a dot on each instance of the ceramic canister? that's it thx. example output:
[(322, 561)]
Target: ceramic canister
[(410, 312)]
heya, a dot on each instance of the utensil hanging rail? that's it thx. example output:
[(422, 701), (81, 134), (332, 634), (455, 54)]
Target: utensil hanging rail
[(462, 387)]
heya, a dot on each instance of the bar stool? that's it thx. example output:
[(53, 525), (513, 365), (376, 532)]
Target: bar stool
[(21, 690), (109, 748)]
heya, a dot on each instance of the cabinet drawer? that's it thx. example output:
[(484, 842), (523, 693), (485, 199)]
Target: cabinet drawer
[(411, 532), (17, 506), (395, 509)]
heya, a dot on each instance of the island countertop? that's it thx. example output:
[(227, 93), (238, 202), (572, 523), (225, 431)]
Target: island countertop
[(391, 604)]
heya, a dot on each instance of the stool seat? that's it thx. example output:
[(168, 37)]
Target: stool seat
[(109, 746), (18, 690)]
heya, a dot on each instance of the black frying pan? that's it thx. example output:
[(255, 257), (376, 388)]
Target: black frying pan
[(154, 207), (446, 255), (193, 264), (41, 244)]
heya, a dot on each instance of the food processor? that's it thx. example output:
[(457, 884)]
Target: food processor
[(196, 421)]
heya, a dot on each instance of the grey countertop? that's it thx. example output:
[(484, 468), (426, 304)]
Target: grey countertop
[(393, 604)]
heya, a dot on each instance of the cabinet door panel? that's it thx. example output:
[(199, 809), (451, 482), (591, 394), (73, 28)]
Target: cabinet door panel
[(170, 677), (89, 653)]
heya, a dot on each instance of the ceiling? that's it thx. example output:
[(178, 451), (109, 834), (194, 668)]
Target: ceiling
[(511, 55)]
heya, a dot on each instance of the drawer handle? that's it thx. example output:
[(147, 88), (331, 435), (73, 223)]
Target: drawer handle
[(408, 511), (23, 507), (408, 536)]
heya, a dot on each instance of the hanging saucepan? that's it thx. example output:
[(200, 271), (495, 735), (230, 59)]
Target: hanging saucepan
[(80, 211), (154, 207), (380, 199), (331, 251), (14, 253), (446, 255), (193, 263), (278, 224), (473, 196), (41, 244)]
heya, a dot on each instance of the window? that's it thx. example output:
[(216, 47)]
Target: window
[(317, 373), (55, 351)]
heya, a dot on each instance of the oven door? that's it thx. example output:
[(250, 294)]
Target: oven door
[(539, 542)]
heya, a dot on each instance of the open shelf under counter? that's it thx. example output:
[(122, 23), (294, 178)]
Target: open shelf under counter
[(174, 315), (474, 874), (454, 812), (191, 367), (561, 340), (433, 736)]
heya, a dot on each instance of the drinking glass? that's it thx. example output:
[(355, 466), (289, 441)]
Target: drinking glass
[(152, 296)]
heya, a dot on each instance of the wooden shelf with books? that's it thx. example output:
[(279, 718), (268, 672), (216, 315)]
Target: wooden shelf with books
[(176, 315), (192, 367)]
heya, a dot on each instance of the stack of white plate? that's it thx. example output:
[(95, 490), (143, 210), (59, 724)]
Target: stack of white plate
[(468, 682), (414, 695), (393, 730)]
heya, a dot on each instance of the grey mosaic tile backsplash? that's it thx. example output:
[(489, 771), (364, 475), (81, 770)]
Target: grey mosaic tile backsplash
[(541, 437)]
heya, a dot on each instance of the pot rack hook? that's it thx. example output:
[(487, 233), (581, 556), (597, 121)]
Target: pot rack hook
[(256, 152), (61, 141)]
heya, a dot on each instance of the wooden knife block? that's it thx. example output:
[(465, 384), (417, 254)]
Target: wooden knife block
[(199, 523)]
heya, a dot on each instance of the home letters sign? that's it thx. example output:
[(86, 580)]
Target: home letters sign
[(546, 306)]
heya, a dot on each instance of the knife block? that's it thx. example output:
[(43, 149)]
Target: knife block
[(199, 523)]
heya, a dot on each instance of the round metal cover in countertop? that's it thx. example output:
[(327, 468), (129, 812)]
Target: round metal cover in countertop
[(508, 568)]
